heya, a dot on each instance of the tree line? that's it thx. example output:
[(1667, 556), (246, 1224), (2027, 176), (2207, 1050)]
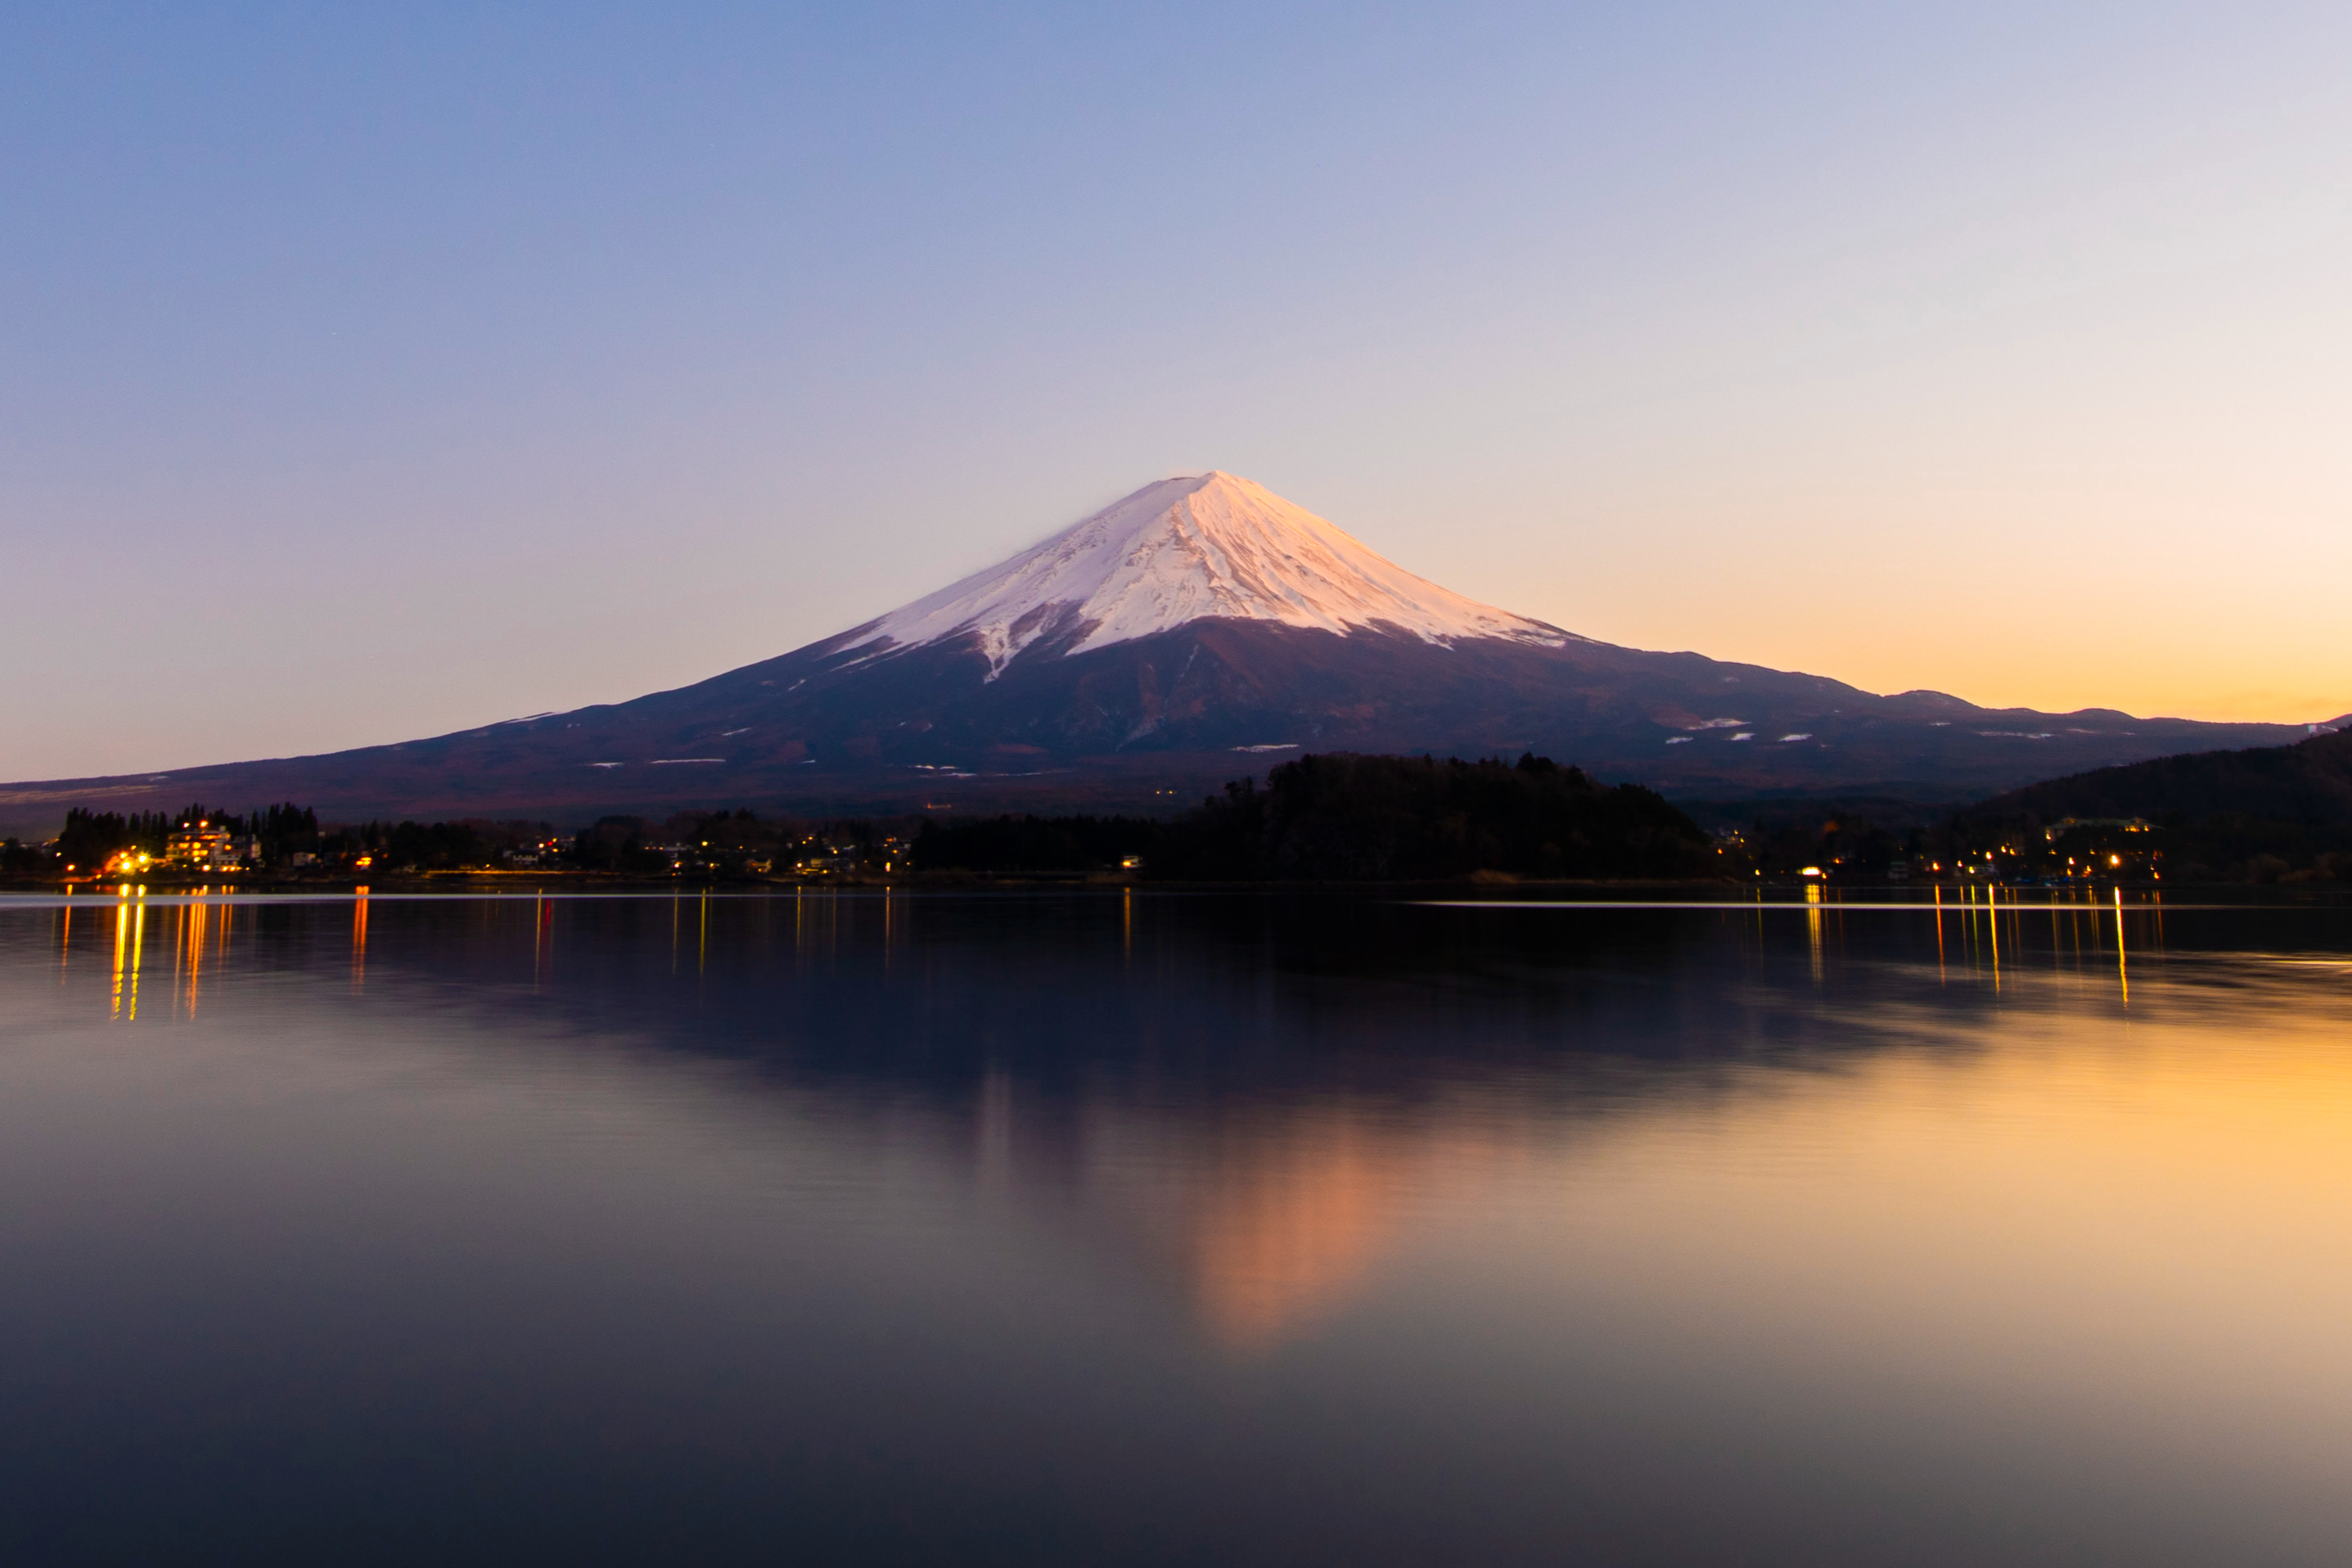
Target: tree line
[(278, 833), (92, 837), (2275, 815), (1345, 817), (1321, 817)]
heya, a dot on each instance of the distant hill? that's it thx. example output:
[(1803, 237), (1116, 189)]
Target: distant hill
[(2309, 784), (2263, 815), (1198, 629)]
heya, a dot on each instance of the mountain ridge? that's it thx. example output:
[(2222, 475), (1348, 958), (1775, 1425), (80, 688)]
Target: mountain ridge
[(1101, 668)]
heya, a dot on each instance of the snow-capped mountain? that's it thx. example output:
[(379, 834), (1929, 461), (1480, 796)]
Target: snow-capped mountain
[(1214, 546), (1199, 629)]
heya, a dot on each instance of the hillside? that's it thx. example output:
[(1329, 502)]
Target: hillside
[(2309, 784), (2263, 815)]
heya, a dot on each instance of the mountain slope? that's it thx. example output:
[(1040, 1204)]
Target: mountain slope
[(1190, 632)]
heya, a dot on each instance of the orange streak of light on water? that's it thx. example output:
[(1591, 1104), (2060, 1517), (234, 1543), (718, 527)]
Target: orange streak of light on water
[(1943, 976), (194, 921), (359, 940)]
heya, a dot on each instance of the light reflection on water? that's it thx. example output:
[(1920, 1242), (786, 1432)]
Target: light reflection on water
[(1173, 1228)]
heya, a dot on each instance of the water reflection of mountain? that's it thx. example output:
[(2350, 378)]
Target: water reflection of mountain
[(1187, 1002), (1241, 1098), (1267, 1218), (1235, 1095)]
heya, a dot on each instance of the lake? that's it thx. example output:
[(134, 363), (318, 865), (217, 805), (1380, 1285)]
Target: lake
[(1175, 1228)]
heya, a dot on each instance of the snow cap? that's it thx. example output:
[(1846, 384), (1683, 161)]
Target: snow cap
[(1188, 549)]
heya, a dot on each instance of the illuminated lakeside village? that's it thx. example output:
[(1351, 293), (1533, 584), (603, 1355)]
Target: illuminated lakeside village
[(286, 847)]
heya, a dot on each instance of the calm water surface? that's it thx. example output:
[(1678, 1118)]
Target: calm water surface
[(1110, 1229)]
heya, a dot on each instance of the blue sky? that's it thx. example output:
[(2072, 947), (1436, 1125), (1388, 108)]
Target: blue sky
[(366, 374)]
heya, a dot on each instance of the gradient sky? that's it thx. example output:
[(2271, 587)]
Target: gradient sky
[(368, 373)]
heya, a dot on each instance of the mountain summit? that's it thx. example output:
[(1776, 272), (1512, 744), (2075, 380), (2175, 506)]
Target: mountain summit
[(1213, 547), (1190, 632)]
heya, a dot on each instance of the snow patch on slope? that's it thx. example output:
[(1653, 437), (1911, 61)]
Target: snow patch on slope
[(1185, 549)]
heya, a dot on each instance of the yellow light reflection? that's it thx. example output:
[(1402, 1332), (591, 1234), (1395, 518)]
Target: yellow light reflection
[(138, 943), (122, 953), (1813, 926), (2123, 974), (1993, 925)]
